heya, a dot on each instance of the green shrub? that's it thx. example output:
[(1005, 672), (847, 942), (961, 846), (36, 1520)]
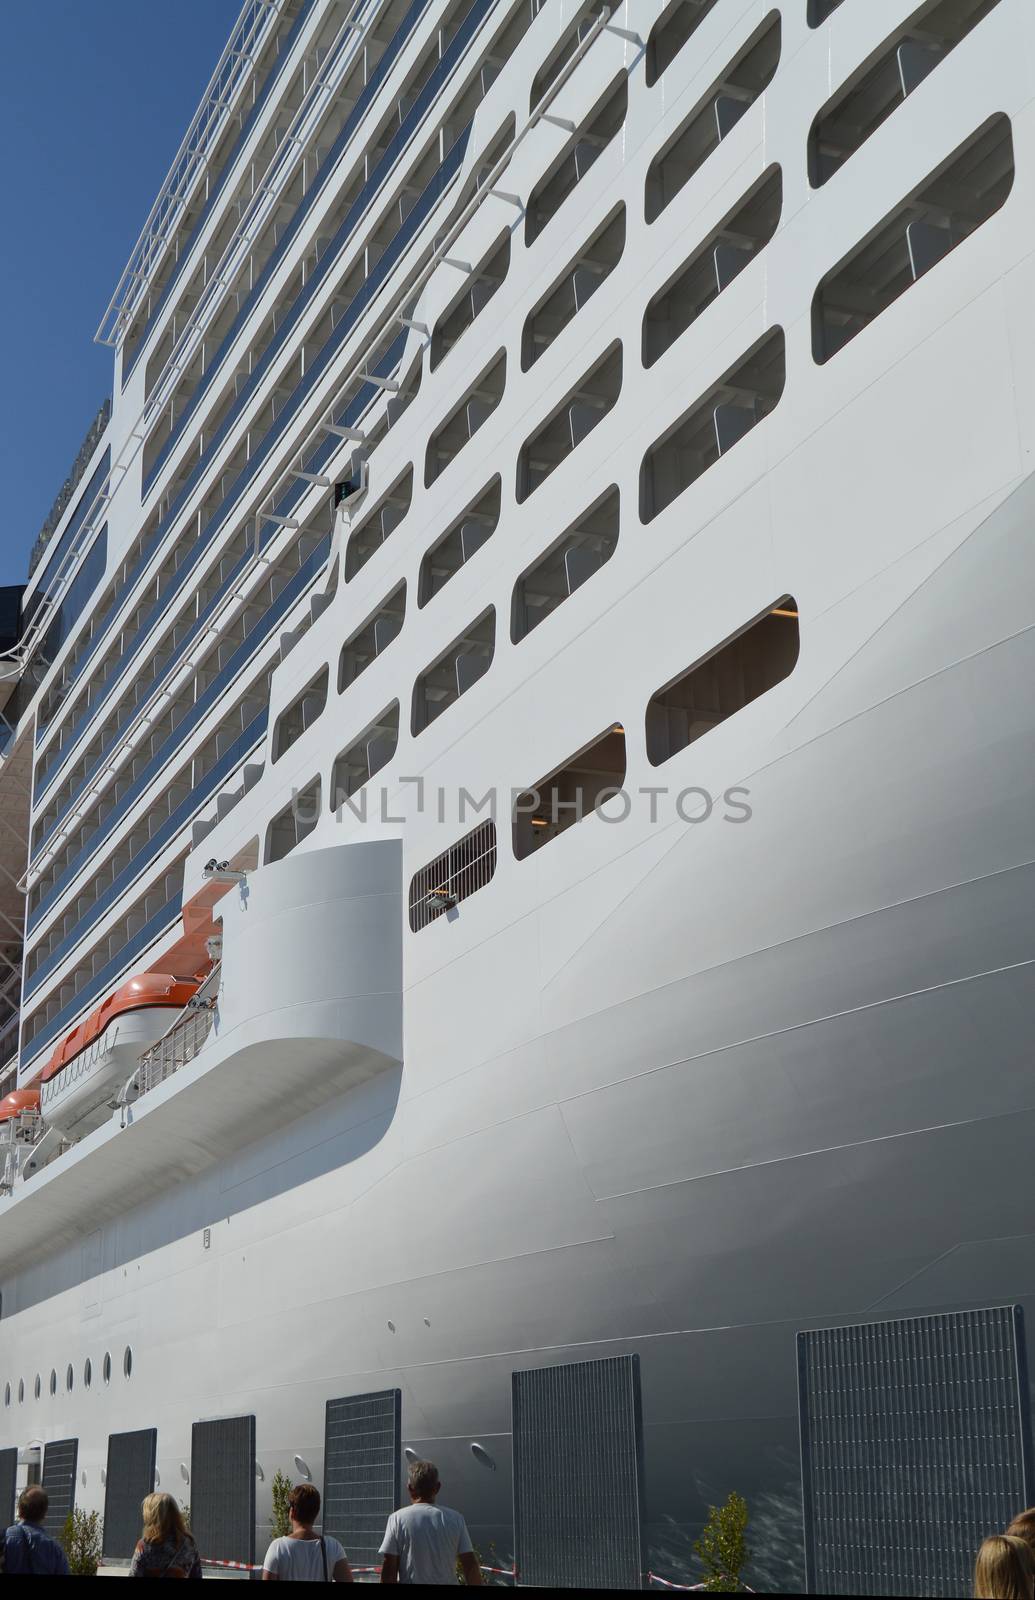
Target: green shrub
[(721, 1548), (280, 1521), (81, 1540)]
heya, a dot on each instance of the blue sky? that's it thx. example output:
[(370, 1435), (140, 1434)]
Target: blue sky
[(95, 96)]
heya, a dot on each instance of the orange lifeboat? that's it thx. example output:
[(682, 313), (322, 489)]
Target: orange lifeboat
[(19, 1100), (147, 990)]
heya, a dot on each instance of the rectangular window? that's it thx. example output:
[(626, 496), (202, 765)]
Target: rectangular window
[(577, 284), (567, 426), (365, 757), (459, 872), (575, 160), (370, 533), (487, 277), (460, 542), (717, 114), (464, 420), (580, 551), (677, 23), (569, 793), (455, 671), (943, 211), (741, 669), (300, 714), (376, 634), (297, 820), (743, 397), (713, 266), (881, 84)]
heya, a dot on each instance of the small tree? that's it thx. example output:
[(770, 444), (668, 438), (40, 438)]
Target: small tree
[(280, 1521), (721, 1548), (81, 1541)]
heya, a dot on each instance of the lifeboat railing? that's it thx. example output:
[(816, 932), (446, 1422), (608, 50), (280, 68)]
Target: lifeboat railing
[(179, 1046)]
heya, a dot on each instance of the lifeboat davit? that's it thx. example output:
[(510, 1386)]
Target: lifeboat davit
[(92, 1062)]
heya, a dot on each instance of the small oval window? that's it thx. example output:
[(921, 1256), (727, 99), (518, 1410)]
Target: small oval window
[(7, 1394), (53, 1380), (38, 1386), (127, 1362), (87, 1372), (21, 1390), (69, 1378), (106, 1367)]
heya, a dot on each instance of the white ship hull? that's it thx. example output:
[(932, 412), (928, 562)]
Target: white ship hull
[(676, 1087)]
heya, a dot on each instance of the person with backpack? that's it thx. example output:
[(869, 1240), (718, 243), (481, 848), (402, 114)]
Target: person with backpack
[(165, 1548), (28, 1551), (303, 1555)]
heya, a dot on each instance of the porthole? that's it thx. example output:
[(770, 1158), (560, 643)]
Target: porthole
[(127, 1362), (106, 1367), (69, 1377), (7, 1394), (38, 1386), (21, 1390), (87, 1373), (53, 1380)]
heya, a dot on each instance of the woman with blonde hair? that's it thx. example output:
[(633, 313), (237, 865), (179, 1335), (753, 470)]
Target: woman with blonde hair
[(165, 1549), (1004, 1570)]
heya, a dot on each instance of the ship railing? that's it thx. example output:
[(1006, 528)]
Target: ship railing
[(289, 152), (396, 311), (19, 1136), (233, 70), (179, 1046)]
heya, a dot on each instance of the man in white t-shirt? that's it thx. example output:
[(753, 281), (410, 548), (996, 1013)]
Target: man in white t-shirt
[(303, 1555), (423, 1542)]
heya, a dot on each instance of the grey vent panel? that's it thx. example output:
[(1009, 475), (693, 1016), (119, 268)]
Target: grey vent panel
[(222, 1488), (60, 1457), (8, 1481), (915, 1445), (130, 1475), (578, 1475), (362, 1452)]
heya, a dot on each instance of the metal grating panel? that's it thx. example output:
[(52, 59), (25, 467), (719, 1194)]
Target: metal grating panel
[(130, 1476), (361, 1487), (60, 1457), (8, 1483), (222, 1488), (914, 1446), (578, 1475)]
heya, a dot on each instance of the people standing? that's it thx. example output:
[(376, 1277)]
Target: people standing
[(28, 1551), (165, 1548), (303, 1555), (1004, 1569), (423, 1542)]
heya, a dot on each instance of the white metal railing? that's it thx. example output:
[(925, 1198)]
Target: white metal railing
[(18, 1138), (462, 870), (257, 20), (180, 1045), (395, 312), (291, 149)]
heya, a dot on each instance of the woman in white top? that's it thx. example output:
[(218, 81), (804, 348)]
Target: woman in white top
[(305, 1555)]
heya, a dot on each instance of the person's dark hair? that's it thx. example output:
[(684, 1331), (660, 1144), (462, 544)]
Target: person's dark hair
[(422, 1479), (304, 1501), (33, 1503)]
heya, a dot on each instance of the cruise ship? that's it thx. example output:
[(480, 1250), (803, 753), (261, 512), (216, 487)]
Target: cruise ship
[(517, 786)]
